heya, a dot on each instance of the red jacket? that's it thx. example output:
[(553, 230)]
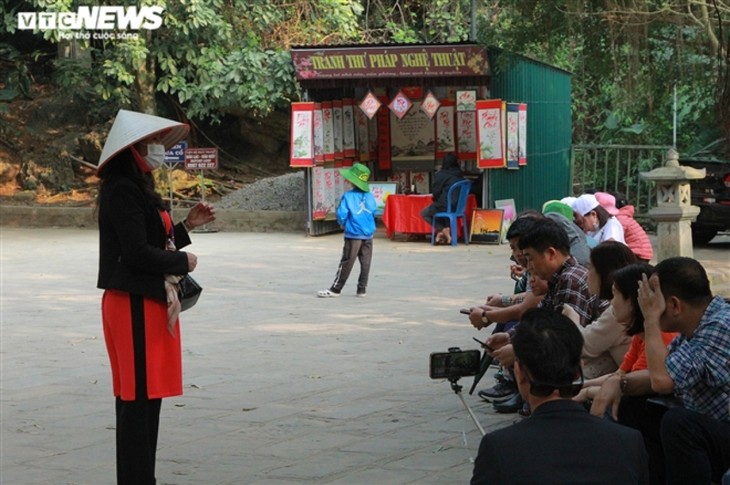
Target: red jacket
[(634, 235)]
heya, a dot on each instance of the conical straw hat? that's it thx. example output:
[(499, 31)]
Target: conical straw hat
[(131, 127)]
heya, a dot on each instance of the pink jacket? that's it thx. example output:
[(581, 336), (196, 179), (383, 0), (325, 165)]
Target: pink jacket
[(634, 235)]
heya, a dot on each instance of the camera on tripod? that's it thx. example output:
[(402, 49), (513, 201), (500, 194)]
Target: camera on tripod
[(454, 364)]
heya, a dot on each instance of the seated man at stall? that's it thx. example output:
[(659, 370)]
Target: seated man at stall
[(448, 175), (687, 444), (561, 442)]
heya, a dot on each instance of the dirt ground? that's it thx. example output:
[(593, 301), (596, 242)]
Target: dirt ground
[(49, 146)]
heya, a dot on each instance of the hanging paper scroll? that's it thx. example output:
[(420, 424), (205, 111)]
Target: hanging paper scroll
[(413, 137), (384, 161), (373, 138), (370, 105), (466, 135), (320, 202), (430, 105), (361, 135), (400, 105), (328, 131), (466, 100), (302, 135), (318, 134), (513, 138), (330, 189), (348, 129), (523, 135), (490, 134), (337, 122), (445, 133)]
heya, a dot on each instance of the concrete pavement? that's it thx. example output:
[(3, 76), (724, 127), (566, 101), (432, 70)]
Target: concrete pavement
[(280, 387)]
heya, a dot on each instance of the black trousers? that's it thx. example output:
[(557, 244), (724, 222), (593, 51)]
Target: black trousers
[(638, 413), (138, 423), (427, 215), (354, 249), (696, 447)]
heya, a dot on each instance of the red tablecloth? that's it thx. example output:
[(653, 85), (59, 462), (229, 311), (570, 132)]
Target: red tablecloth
[(403, 213)]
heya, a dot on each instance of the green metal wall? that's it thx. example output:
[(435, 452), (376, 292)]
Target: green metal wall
[(546, 90)]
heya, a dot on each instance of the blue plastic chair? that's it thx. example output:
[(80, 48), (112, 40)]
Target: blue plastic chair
[(462, 187)]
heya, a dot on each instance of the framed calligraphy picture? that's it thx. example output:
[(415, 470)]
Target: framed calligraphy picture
[(490, 134)]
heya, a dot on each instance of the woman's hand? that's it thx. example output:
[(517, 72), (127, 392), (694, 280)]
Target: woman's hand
[(201, 214), (192, 262)]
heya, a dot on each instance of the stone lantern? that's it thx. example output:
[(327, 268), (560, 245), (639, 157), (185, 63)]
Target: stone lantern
[(674, 212)]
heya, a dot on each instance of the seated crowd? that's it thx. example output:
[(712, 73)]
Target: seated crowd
[(594, 342)]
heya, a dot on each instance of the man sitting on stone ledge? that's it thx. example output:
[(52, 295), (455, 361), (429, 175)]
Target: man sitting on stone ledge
[(561, 443)]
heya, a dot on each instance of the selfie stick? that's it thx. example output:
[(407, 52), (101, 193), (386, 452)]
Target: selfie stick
[(457, 389)]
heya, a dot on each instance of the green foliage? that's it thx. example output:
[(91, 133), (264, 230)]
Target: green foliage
[(625, 57)]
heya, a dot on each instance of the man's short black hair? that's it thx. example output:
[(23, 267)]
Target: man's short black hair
[(520, 227), (545, 234), (549, 345), (684, 278)]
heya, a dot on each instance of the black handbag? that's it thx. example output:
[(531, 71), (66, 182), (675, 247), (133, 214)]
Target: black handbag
[(188, 292)]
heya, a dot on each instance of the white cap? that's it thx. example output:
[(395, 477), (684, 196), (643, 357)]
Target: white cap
[(131, 127), (568, 200), (585, 203)]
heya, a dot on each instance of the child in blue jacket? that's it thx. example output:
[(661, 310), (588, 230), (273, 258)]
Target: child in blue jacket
[(356, 214)]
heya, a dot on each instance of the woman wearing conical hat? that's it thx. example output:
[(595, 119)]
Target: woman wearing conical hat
[(139, 310)]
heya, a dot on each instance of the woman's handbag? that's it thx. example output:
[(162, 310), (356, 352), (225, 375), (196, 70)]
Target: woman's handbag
[(188, 291)]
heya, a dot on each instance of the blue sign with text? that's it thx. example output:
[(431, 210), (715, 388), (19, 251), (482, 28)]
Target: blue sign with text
[(176, 154)]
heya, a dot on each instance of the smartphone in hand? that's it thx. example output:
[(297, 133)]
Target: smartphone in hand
[(465, 311)]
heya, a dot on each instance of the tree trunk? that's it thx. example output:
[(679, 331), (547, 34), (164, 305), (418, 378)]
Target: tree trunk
[(144, 82)]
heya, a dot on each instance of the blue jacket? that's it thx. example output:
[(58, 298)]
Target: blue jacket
[(356, 213)]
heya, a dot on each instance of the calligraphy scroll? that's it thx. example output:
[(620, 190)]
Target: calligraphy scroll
[(523, 135), (348, 129), (513, 139), (302, 135), (490, 134), (445, 133), (328, 131)]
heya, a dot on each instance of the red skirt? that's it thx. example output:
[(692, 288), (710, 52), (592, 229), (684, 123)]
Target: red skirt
[(145, 358)]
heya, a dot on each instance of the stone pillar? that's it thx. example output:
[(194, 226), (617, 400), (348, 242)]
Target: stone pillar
[(674, 212)]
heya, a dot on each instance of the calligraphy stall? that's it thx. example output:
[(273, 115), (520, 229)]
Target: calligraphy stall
[(399, 109)]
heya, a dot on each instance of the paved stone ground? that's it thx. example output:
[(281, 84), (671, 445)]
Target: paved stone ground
[(280, 387)]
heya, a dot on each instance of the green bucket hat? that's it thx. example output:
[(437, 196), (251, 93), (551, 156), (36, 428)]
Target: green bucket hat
[(359, 175), (559, 207)]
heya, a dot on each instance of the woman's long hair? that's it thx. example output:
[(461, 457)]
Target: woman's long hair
[(608, 257), (626, 281), (123, 165)]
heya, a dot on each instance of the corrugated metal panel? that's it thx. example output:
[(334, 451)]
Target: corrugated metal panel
[(546, 90)]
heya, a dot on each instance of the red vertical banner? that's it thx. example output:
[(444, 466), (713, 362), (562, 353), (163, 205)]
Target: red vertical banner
[(523, 135), (384, 162), (328, 131), (301, 152), (490, 134), (362, 136), (445, 129)]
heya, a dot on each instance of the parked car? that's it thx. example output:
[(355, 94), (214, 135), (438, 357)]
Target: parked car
[(711, 194)]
